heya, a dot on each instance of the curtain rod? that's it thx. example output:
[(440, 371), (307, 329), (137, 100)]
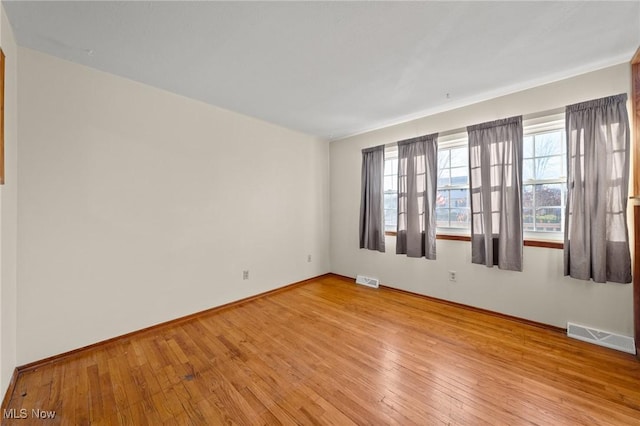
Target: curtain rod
[(525, 117)]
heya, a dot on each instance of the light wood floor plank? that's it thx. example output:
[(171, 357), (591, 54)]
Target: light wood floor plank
[(331, 352)]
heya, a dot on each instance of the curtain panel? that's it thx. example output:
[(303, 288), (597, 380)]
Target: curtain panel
[(372, 199), (417, 179), (596, 242), (495, 176)]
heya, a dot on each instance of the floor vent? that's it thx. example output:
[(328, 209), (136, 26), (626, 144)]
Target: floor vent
[(602, 338), (368, 281)]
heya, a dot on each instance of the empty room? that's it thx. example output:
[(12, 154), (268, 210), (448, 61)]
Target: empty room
[(319, 212)]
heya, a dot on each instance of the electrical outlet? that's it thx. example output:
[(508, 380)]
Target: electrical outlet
[(245, 274), (309, 258), (452, 275)]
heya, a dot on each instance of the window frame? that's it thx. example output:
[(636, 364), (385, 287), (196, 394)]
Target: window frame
[(537, 126), (452, 141), (390, 153)]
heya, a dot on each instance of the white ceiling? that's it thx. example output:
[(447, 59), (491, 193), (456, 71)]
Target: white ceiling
[(334, 69)]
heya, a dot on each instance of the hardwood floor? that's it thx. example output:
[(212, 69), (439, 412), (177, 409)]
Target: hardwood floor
[(331, 352)]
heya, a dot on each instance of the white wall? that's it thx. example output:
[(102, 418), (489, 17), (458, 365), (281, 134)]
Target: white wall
[(138, 206), (8, 209), (539, 293)]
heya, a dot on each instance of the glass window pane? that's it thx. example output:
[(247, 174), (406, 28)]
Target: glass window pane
[(527, 197), (459, 176), (528, 147), (548, 143), (549, 195), (527, 170), (390, 201), (548, 167), (459, 198), (444, 177), (442, 199), (388, 167), (443, 159), (549, 219), (388, 183), (459, 157), (527, 219), (442, 218), (459, 218), (390, 211)]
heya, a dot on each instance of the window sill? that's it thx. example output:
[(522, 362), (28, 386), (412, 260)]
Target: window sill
[(453, 237), (545, 244), (528, 243)]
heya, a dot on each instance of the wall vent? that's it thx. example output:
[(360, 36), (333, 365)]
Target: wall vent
[(602, 338), (368, 281)]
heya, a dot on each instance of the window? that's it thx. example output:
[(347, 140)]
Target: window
[(544, 180), (452, 200), (391, 190)]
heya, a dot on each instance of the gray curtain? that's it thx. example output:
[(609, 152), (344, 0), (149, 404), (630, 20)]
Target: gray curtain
[(596, 242), (495, 176), (417, 176), (372, 199)]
